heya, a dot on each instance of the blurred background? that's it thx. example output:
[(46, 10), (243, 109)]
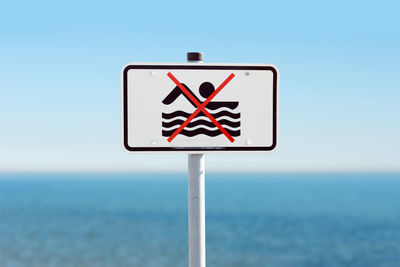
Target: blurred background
[(328, 196)]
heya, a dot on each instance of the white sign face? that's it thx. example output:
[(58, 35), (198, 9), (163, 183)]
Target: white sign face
[(199, 107)]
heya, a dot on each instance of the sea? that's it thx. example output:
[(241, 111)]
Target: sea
[(136, 219)]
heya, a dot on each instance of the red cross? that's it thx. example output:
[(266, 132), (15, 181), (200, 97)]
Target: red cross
[(200, 107)]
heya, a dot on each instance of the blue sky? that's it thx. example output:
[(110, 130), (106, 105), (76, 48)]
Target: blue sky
[(60, 65)]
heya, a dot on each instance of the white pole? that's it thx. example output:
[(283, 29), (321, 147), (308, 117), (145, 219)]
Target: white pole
[(196, 206), (196, 199)]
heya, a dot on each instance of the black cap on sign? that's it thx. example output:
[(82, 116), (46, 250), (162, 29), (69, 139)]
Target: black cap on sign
[(195, 56)]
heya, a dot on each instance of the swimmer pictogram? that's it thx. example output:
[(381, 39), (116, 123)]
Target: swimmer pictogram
[(220, 120)]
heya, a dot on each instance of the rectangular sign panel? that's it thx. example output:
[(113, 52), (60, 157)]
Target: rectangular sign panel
[(199, 107)]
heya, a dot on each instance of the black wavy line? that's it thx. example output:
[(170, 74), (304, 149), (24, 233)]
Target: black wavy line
[(200, 122), (178, 113), (200, 131), (217, 105)]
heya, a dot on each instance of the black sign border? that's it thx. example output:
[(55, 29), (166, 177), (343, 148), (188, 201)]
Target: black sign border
[(198, 67)]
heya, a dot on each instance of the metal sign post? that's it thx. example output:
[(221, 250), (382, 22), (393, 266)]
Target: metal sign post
[(196, 211), (196, 200)]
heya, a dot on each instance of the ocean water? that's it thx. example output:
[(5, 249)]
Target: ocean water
[(251, 219)]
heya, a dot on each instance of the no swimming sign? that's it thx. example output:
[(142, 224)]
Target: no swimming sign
[(199, 107)]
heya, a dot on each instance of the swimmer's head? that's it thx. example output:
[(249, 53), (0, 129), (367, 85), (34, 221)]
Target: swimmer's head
[(206, 89)]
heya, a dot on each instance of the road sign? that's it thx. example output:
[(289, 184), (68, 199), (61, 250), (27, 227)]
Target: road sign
[(199, 107)]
